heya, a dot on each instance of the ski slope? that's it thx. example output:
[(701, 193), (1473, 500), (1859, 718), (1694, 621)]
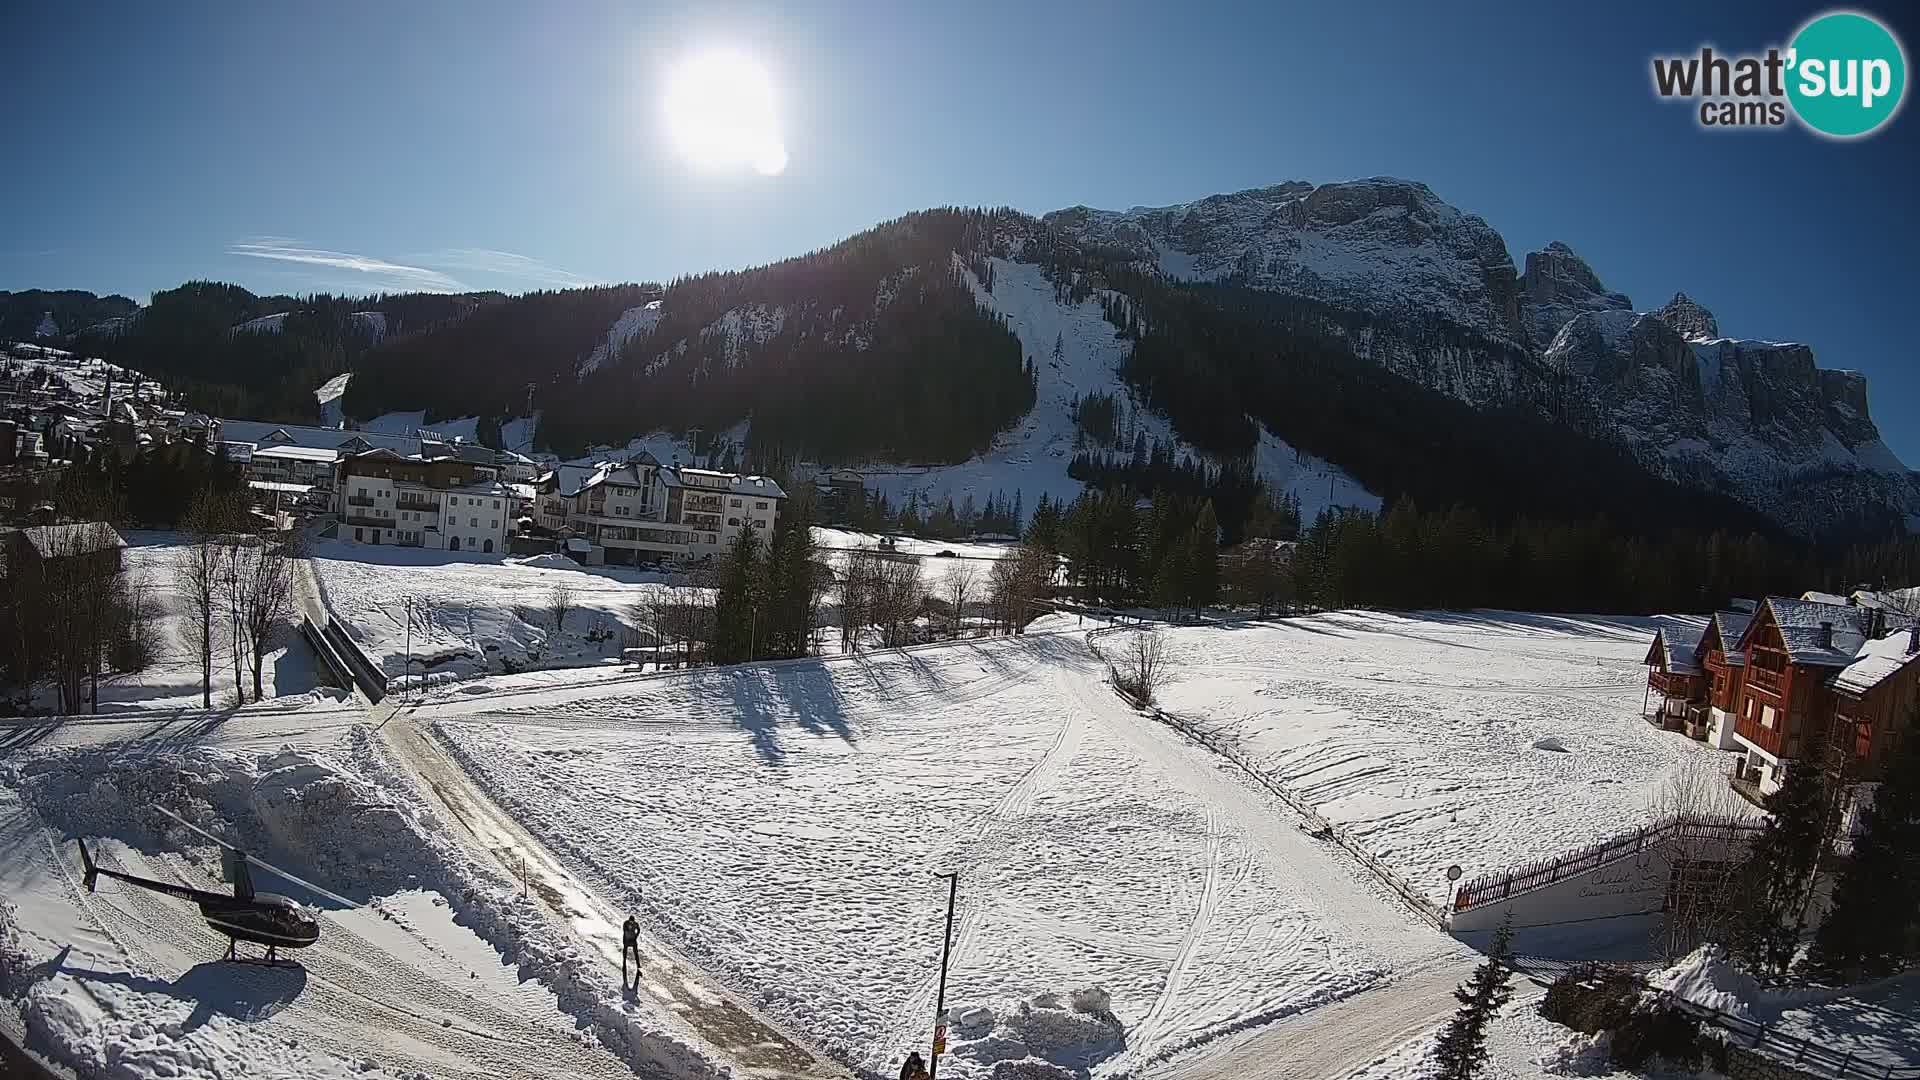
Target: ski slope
[(807, 805), (1484, 739)]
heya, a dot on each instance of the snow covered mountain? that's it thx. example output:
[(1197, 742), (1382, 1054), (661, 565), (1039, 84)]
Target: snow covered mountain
[(1443, 306)]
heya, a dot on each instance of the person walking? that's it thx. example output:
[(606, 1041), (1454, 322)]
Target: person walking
[(630, 943), (914, 1068)]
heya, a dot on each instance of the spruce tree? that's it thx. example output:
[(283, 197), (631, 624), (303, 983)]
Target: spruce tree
[(1873, 928), (1781, 865), (734, 625), (1463, 1045), (1203, 559)]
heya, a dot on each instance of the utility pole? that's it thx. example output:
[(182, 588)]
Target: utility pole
[(408, 670), (940, 1003)]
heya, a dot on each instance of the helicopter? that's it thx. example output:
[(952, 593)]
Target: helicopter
[(261, 918)]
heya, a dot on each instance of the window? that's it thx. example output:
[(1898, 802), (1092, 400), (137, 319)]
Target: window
[(452, 521), (712, 539), (760, 505), (358, 536), (496, 524), (733, 502), (473, 523), (733, 522), (1767, 716), (496, 504), (361, 492)]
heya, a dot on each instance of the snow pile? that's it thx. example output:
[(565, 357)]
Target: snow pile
[(1709, 977), (1039, 1037), (350, 821)]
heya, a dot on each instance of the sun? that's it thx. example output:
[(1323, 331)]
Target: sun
[(721, 114)]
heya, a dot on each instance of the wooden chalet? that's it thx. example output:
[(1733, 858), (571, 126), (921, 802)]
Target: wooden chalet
[(1797, 652), (1725, 664), (1676, 683)]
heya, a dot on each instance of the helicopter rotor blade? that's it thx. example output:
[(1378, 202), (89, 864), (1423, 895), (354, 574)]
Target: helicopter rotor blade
[(262, 863)]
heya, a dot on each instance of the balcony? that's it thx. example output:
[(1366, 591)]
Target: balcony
[(1767, 680), (428, 505), (359, 500), (368, 519)]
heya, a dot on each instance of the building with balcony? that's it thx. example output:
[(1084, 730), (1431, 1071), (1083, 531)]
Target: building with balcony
[(1725, 665), (383, 497), (1795, 684), (1676, 683), (640, 511)]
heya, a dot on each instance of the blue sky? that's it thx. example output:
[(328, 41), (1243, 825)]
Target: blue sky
[(359, 147)]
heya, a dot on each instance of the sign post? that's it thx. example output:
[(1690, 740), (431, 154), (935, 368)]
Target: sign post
[(940, 1004)]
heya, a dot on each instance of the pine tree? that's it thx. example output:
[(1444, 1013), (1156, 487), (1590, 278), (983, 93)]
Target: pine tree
[(1873, 928), (1782, 865), (1202, 553), (1463, 1046), (736, 617)]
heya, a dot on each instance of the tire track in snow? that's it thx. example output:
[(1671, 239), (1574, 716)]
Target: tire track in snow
[(1146, 1033)]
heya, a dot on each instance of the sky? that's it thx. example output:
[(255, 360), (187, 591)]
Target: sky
[(361, 147)]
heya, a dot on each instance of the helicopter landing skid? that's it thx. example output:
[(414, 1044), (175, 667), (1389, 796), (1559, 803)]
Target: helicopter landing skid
[(271, 959)]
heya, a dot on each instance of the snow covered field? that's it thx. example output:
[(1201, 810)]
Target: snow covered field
[(807, 806), (173, 679), (1485, 739), (475, 613)]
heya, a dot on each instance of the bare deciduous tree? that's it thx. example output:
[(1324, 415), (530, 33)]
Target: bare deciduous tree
[(961, 584), (858, 584), (1705, 899), (198, 567), (899, 597), (1143, 665), (559, 603), (263, 594), (1016, 583)]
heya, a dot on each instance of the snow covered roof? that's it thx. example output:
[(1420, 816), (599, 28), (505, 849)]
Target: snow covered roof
[(1728, 629), (1803, 625), (296, 453), (80, 538), (757, 486), (1674, 648), (1876, 662), (261, 432), (1816, 597)]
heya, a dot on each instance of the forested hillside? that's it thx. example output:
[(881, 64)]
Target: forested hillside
[(227, 351), (25, 315)]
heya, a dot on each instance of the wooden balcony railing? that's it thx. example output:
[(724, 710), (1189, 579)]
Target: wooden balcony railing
[(1766, 679)]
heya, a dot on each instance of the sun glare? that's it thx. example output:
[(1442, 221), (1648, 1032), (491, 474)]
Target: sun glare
[(720, 111)]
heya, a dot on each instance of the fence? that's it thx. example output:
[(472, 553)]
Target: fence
[(1506, 884), (345, 658), (1319, 826)]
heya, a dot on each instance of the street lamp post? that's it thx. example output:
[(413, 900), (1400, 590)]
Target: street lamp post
[(940, 1003)]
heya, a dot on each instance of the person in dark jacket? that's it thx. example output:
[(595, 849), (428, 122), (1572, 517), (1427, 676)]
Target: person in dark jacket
[(914, 1068), (630, 943)]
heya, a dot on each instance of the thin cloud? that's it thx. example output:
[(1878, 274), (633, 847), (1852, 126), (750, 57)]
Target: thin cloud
[(391, 276), (507, 264)]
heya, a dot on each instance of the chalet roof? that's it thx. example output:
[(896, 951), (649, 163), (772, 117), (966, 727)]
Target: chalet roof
[(1674, 648), (263, 433), (80, 538), (1728, 628), (1876, 662), (1800, 629), (762, 487)]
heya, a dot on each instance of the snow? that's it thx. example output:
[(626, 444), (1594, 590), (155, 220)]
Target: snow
[(1032, 457), (173, 679), (329, 395), (807, 805), (1421, 734), (265, 324), (633, 322), (516, 433), (447, 971), (475, 613), (1876, 660)]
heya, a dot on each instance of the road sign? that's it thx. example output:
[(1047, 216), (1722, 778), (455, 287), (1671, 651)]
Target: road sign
[(940, 1040), (1454, 872)]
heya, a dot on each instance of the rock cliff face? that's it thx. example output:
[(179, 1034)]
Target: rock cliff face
[(1443, 306)]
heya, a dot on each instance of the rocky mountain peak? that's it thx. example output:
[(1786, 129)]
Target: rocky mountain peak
[(1688, 318), (1559, 285)]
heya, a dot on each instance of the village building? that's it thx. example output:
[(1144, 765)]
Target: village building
[(411, 501), (640, 511)]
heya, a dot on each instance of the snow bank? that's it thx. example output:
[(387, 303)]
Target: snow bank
[(1040, 1038), (348, 820), (1710, 977)]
